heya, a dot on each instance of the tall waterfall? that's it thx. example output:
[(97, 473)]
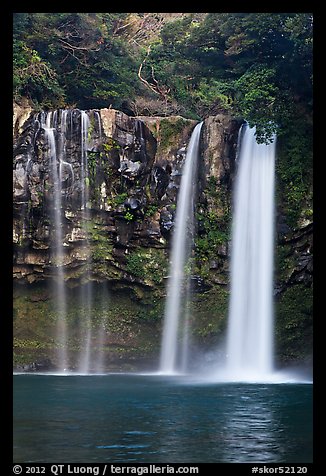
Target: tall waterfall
[(172, 354), (86, 294), (250, 329), (59, 128), (49, 122)]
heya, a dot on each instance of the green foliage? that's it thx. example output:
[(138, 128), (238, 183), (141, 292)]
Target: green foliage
[(135, 264), (255, 64), (75, 53), (110, 144), (214, 223), (294, 310), (120, 198), (126, 321), (151, 210), (207, 248), (31, 344), (169, 129), (294, 171), (128, 216), (210, 312), (212, 91), (91, 162), (100, 244), (257, 92), (149, 265), (35, 78), (285, 262), (117, 200), (152, 312), (207, 245)]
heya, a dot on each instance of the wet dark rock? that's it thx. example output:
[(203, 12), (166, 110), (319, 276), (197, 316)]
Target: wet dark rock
[(283, 228), (199, 285), (214, 264), (39, 366), (166, 221), (40, 296), (161, 179), (132, 203), (181, 153), (134, 173)]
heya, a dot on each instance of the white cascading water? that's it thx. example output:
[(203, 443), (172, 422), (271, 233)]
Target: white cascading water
[(56, 125), (48, 123), (91, 358), (97, 117), (86, 291), (177, 284), (250, 329)]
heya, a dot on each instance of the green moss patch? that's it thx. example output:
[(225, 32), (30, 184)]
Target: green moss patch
[(293, 326)]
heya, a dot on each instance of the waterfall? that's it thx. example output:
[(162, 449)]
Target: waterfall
[(67, 132), (84, 127), (97, 118), (60, 128), (86, 293), (91, 358), (250, 329), (176, 307), (55, 156)]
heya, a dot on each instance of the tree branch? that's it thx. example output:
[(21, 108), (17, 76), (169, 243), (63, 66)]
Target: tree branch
[(156, 88), (140, 76), (73, 48)]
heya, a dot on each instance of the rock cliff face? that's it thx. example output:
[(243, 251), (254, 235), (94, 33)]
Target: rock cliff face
[(116, 212), (118, 179), (134, 169)]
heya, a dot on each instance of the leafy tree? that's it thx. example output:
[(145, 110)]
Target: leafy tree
[(257, 65), (33, 77), (260, 62), (83, 54)]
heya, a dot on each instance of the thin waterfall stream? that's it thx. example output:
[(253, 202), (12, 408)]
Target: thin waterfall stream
[(176, 303), (49, 123), (86, 289), (59, 127)]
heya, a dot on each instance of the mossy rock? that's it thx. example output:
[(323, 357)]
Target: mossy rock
[(210, 314), (293, 326), (150, 265), (132, 328), (169, 130)]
